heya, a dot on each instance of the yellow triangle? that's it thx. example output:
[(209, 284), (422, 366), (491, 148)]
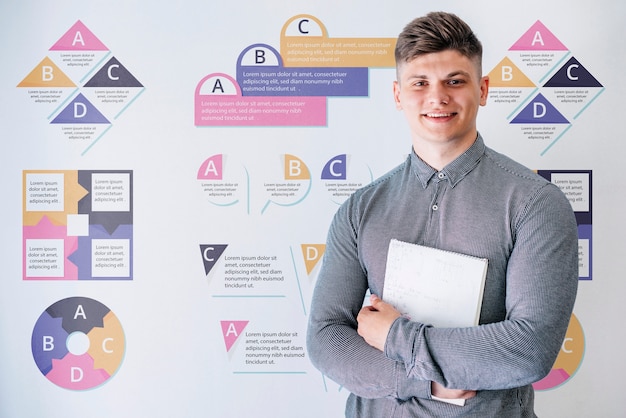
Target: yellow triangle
[(46, 74), (312, 253), (507, 74)]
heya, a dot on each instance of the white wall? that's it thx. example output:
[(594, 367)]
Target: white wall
[(175, 362)]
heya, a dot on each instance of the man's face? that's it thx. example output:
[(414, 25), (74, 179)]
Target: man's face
[(440, 94)]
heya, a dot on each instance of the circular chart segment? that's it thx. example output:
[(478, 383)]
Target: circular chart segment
[(78, 343), (569, 359)]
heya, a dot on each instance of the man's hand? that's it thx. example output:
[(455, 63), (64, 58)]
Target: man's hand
[(441, 392), (374, 322)]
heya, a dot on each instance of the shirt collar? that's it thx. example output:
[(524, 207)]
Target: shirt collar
[(453, 172)]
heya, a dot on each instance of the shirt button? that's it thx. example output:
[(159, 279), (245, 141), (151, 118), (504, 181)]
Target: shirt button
[(435, 207), (441, 175)]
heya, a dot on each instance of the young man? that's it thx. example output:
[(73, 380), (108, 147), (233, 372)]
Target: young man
[(456, 194)]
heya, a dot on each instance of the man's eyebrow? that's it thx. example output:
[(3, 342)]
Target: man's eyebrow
[(459, 72), (450, 75)]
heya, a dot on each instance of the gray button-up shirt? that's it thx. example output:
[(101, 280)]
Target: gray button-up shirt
[(482, 204)]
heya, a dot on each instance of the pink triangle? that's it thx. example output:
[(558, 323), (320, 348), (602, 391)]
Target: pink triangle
[(231, 331), (538, 38), (79, 38)]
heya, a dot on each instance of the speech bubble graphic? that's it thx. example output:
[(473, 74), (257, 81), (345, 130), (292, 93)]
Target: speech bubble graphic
[(342, 177), (304, 42), (222, 182), (219, 102), (294, 186), (260, 72)]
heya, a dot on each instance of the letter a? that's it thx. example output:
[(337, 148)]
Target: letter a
[(218, 85), (210, 168), (537, 38), (80, 312), (78, 38), (231, 330)]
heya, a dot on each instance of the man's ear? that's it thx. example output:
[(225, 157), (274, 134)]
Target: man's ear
[(484, 90), (396, 94)]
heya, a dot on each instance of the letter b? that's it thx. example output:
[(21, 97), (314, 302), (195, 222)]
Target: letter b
[(47, 73), (48, 343), (294, 168), (259, 56), (507, 73)]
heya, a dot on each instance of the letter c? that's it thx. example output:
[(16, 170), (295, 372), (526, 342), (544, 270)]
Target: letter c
[(110, 74), (104, 345), (569, 72), (563, 346), (300, 26), (204, 253), (332, 168)]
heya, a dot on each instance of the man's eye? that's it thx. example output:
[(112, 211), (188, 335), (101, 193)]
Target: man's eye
[(455, 82)]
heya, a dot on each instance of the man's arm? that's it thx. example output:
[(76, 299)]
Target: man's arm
[(374, 322), (541, 280), (333, 343)]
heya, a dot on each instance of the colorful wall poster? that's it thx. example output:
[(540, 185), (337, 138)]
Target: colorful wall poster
[(171, 170), (80, 87), (77, 225)]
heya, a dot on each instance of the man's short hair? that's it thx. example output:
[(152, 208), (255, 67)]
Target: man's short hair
[(436, 32)]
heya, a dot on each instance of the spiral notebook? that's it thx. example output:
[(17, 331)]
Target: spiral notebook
[(433, 286)]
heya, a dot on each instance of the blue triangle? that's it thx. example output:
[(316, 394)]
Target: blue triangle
[(539, 110), (80, 110)]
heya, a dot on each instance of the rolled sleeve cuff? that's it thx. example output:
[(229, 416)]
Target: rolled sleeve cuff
[(399, 347)]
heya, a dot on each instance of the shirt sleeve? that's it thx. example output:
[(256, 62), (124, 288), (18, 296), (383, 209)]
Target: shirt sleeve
[(541, 285), (333, 344)]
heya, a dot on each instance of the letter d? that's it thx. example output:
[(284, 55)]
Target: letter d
[(76, 374), (312, 253), (536, 110), (80, 110)]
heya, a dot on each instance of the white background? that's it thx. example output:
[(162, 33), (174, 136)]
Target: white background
[(175, 363)]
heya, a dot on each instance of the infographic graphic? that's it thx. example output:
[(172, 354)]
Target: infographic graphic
[(77, 225), (263, 351), (291, 87), (78, 343), (238, 271), (81, 88), (226, 182), (543, 86), (577, 186), (342, 175), (242, 274)]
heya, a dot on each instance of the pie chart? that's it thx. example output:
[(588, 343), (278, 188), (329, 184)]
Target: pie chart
[(78, 343)]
